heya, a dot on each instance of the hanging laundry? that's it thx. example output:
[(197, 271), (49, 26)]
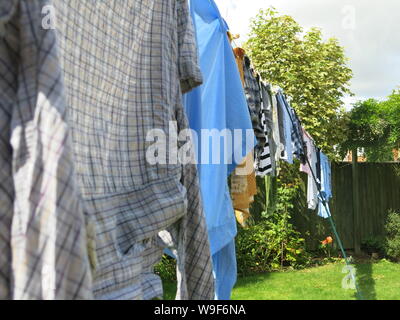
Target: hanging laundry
[(326, 189), (310, 167), (219, 104), (239, 56), (318, 168), (285, 127), (243, 186), (46, 238), (266, 164), (243, 216), (243, 189), (125, 67), (276, 137), (296, 134), (286, 139), (253, 96), (297, 137)]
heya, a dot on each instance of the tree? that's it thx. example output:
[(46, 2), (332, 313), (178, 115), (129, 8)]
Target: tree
[(391, 108), (374, 126), (311, 71)]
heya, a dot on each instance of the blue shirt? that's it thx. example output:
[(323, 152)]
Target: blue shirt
[(326, 190), (220, 104)]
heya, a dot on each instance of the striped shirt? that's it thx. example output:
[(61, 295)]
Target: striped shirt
[(253, 96), (265, 164)]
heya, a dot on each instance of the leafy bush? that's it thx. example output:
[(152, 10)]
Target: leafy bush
[(270, 245), (392, 239), (166, 268), (272, 242), (373, 244)]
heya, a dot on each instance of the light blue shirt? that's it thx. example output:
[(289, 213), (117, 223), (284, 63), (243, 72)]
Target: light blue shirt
[(326, 190), (219, 103)]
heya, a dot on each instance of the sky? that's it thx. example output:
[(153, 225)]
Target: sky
[(368, 30)]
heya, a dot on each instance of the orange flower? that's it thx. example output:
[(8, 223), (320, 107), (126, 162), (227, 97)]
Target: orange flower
[(327, 241)]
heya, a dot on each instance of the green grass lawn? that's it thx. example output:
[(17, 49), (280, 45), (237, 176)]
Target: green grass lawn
[(377, 281)]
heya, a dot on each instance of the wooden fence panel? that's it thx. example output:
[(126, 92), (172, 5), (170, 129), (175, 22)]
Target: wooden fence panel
[(379, 191)]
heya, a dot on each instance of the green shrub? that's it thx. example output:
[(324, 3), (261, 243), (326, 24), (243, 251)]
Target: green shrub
[(166, 268), (269, 245), (373, 244), (392, 239), (272, 242)]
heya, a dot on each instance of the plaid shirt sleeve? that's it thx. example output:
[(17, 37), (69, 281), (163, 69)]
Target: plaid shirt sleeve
[(196, 281), (43, 227), (188, 64)]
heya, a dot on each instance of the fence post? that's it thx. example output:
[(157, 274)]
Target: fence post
[(356, 199)]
